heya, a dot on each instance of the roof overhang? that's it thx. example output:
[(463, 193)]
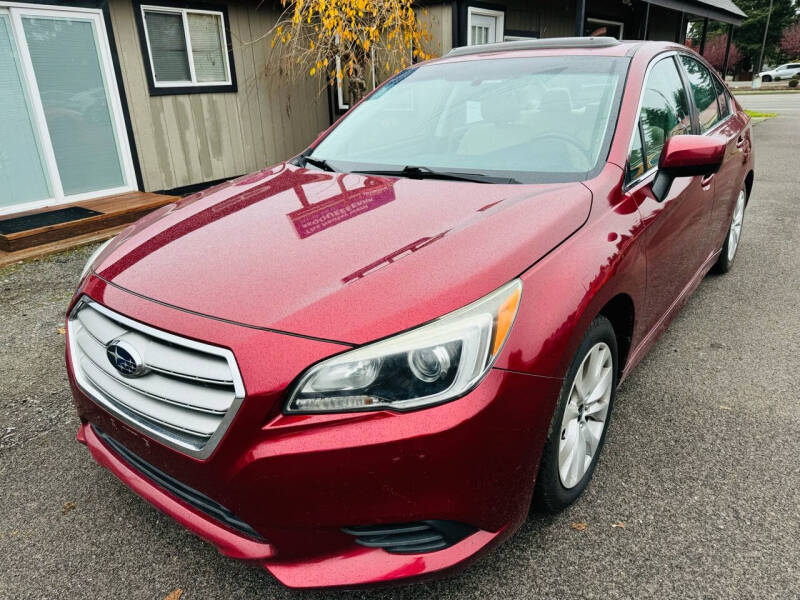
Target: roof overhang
[(718, 10)]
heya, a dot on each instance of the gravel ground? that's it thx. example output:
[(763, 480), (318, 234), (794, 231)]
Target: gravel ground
[(700, 466)]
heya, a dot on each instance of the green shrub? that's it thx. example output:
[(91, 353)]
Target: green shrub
[(793, 82)]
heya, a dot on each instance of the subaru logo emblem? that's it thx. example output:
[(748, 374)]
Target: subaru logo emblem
[(125, 359)]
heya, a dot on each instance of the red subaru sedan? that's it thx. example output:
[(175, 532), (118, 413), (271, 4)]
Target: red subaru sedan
[(365, 364)]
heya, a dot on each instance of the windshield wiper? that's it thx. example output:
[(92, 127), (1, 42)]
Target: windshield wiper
[(413, 172), (320, 163)]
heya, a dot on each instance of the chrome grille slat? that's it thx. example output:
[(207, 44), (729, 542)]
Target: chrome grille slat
[(101, 328), (171, 415), (203, 398), (188, 395), (195, 364)]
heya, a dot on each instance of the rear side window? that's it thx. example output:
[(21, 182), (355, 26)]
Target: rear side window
[(665, 110), (703, 91)]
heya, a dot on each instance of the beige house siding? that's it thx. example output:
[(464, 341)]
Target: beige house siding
[(194, 138), (439, 22)]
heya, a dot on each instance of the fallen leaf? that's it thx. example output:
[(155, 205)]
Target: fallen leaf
[(62, 331), (618, 525), (579, 526), (723, 407), (174, 594), (68, 506)]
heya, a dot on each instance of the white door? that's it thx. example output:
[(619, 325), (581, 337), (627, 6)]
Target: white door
[(483, 30), (65, 138)]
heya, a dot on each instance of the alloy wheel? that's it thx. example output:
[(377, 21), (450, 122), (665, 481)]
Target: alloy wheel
[(585, 414), (736, 226)]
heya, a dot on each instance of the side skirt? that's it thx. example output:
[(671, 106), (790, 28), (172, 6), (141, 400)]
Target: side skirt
[(655, 332)]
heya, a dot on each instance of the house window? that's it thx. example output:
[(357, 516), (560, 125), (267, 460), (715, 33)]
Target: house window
[(484, 26), (187, 50), (602, 27)]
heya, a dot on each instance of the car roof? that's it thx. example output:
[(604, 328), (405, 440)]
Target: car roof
[(573, 46)]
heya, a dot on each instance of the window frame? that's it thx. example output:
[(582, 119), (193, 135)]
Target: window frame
[(164, 88)]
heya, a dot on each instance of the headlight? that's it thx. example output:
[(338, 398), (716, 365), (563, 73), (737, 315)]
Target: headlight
[(88, 266), (437, 362)]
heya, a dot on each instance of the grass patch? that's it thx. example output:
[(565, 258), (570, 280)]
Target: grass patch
[(754, 114)]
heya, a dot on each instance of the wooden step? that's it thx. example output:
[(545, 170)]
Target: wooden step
[(8, 258), (117, 210)]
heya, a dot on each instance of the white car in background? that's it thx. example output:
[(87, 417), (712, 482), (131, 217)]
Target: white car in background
[(785, 71)]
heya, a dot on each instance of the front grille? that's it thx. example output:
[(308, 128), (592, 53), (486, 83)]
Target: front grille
[(185, 393), (411, 538), (189, 495)]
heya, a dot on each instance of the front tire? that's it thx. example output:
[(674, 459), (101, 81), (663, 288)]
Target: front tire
[(728, 253), (579, 424), (766, 79)]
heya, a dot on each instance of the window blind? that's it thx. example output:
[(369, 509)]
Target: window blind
[(167, 46), (207, 47), (72, 88), (22, 173)]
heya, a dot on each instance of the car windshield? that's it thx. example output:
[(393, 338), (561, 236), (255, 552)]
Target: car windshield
[(515, 120)]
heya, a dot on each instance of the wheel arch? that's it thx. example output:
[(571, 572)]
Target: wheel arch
[(748, 185), (621, 312)]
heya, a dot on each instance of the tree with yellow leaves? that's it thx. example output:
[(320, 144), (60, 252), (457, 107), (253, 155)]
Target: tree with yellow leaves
[(359, 40)]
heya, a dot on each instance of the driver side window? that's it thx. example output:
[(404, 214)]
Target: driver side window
[(664, 113), (665, 109)]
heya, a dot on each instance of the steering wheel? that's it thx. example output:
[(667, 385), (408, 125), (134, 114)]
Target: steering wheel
[(564, 138)]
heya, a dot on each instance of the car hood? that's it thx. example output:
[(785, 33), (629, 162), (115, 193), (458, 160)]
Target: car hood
[(339, 256)]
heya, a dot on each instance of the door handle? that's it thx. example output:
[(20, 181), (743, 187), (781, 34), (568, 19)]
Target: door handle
[(740, 141), (706, 181)]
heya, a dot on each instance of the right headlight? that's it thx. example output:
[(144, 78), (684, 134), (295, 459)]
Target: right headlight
[(90, 263), (429, 365)]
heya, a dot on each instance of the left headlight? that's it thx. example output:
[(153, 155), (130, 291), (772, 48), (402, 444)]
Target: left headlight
[(434, 363), (88, 266)]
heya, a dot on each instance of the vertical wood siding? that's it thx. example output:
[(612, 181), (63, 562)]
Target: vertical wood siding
[(190, 139), (439, 22)]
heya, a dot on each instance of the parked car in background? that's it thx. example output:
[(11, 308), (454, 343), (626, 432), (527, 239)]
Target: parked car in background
[(785, 71), (363, 365)]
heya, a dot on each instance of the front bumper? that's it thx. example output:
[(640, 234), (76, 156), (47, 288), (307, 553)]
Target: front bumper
[(298, 480)]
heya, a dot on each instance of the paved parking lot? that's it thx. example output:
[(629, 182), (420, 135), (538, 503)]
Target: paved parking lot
[(701, 464)]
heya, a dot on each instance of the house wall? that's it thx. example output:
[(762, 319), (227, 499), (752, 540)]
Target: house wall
[(189, 139), (439, 22), (663, 24), (550, 19)]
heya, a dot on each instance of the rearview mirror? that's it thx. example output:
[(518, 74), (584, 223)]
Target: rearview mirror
[(687, 156)]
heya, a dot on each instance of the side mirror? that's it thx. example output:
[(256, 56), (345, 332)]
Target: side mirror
[(687, 156)]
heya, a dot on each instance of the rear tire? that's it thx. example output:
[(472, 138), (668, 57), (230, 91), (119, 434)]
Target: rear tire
[(580, 421), (731, 244)]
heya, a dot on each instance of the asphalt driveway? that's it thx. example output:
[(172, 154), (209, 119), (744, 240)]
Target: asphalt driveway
[(697, 494)]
